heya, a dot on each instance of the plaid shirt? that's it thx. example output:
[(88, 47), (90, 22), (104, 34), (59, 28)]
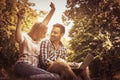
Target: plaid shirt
[(48, 52)]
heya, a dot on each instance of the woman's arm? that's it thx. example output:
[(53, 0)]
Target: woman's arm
[(18, 32), (48, 17)]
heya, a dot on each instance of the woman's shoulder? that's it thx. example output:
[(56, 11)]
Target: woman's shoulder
[(26, 36)]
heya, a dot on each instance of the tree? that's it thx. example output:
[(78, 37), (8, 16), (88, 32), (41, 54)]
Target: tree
[(96, 30)]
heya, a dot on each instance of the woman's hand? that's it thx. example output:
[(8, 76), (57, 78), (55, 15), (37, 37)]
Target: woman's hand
[(50, 14), (20, 14), (52, 5)]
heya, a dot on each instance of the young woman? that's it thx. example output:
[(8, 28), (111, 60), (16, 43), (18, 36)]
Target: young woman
[(29, 44)]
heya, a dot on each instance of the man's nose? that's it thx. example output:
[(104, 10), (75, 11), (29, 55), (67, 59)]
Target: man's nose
[(52, 34)]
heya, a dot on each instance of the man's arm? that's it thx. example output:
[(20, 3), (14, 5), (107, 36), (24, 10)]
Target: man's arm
[(48, 17), (44, 58), (43, 52)]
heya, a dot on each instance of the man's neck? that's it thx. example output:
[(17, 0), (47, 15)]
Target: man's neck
[(56, 44)]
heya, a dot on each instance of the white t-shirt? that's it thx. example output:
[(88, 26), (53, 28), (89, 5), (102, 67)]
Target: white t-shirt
[(29, 50)]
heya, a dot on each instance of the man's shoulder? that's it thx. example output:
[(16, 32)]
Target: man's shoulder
[(45, 40), (62, 45)]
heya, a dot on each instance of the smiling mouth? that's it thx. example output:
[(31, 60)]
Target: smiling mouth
[(52, 37)]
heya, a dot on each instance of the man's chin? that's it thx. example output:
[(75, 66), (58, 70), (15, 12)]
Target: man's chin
[(51, 39)]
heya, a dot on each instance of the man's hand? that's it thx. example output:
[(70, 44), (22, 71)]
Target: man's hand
[(74, 65), (50, 62), (52, 5)]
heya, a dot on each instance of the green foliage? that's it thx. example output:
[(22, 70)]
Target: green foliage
[(95, 30), (7, 27), (94, 21)]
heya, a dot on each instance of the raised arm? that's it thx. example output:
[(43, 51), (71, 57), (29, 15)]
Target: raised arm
[(48, 17), (18, 32)]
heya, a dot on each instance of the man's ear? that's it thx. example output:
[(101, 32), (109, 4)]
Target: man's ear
[(62, 34)]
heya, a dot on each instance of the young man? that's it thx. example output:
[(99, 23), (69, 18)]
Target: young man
[(53, 49)]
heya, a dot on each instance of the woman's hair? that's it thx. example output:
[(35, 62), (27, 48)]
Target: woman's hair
[(38, 27)]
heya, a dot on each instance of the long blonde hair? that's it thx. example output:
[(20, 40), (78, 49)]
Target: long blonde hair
[(37, 28)]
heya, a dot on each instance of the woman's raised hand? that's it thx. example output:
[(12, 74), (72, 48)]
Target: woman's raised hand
[(52, 5), (50, 14), (20, 14)]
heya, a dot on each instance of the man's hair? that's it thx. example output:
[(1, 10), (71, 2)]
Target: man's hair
[(62, 28)]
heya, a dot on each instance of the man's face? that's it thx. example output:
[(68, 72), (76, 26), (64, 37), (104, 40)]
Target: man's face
[(55, 34)]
